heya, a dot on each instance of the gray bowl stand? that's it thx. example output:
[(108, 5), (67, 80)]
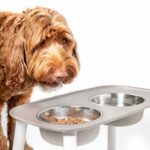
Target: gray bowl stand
[(119, 105)]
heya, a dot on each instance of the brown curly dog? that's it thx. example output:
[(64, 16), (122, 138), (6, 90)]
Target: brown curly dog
[(36, 46)]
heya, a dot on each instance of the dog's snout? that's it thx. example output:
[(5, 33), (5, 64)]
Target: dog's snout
[(60, 74)]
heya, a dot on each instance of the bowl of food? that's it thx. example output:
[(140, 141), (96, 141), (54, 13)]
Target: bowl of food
[(69, 116), (120, 100)]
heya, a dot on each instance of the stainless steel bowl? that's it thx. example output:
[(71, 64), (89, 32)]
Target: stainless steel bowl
[(59, 112), (83, 137), (64, 112), (117, 99), (120, 100)]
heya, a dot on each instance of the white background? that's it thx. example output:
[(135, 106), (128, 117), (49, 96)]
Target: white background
[(113, 39)]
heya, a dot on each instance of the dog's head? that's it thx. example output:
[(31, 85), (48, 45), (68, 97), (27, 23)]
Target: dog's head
[(49, 47)]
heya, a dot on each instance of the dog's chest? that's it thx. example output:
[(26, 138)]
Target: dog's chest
[(6, 93)]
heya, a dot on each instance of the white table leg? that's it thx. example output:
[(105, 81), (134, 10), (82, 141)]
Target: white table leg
[(70, 142), (111, 138), (20, 135)]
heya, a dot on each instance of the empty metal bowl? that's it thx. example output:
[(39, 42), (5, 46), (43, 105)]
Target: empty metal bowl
[(117, 99), (120, 100), (64, 112)]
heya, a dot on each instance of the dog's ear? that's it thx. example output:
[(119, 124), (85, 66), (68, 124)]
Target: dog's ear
[(16, 69), (15, 65)]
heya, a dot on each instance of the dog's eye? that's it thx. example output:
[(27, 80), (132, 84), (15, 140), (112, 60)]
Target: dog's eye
[(65, 40), (43, 43), (40, 45)]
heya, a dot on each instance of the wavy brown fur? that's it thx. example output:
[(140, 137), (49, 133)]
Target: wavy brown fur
[(36, 46)]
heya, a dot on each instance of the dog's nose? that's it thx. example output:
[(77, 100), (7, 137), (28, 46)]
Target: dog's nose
[(60, 74)]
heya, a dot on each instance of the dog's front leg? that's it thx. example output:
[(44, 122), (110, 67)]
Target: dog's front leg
[(15, 101)]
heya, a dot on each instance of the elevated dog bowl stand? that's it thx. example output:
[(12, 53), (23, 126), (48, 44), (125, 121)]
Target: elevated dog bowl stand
[(111, 141), (20, 135), (113, 106), (72, 140)]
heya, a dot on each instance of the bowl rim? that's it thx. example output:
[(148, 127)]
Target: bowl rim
[(63, 106), (107, 105)]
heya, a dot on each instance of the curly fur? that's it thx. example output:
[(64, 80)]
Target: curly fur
[(36, 46)]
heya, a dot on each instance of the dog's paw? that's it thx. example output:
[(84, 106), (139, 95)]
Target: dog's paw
[(27, 147)]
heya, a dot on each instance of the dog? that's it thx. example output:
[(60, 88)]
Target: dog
[(36, 47)]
